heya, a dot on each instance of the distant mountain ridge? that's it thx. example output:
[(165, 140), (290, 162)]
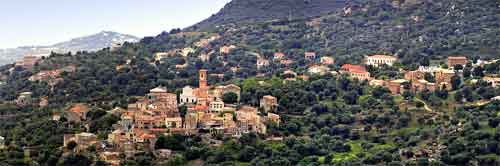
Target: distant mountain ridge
[(240, 11), (87, 43)]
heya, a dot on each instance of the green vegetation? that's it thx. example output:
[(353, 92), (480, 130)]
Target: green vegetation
[(324, 120)]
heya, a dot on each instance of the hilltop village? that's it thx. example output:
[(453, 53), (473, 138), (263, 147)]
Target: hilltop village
[(199, 99), (215, 112)]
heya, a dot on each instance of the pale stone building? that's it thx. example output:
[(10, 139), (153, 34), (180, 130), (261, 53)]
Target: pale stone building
[(326, 60), (318, 69), (457, 60), (216, 106), (269, 103), (311, 56), (188, 96), (377, 83), (494, 82), (396, 86), (377, 60), (355, 71), (24, 99), (2, 142)]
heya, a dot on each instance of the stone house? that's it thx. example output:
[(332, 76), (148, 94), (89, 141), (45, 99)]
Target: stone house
[(421, 85), (326, 60), (355, 71), (414, 75), (444, 76), (216, 106), (457, 60), (275, 118), (24, 99), (375, 82), (269, 103), (83, 140), (318, 69), (494, 82), (396, 86), (311, 56), (77, 113)]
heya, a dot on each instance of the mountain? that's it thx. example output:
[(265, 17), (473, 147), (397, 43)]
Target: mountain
[(238, 11), (88, 43), (96, 41), (414, 30)]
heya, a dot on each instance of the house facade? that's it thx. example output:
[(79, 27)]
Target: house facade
[(268, 103), (457, 60), (377, 60), (355, 71)]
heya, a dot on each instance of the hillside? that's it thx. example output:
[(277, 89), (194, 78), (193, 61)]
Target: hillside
[(414, 30), (326, 119), (245, 11), (88, 43)]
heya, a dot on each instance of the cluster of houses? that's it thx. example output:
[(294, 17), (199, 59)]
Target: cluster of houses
[(52, 77), (413, 80), (158, 114)]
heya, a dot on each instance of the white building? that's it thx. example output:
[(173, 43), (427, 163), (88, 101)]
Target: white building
[(187, 96), (428, 69), (2, 142), (493, 81), (24, 99), (318, 69), (376, 60), (326, 60)]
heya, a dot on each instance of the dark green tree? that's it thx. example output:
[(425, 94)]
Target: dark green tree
[(230, 97), (456, 81)]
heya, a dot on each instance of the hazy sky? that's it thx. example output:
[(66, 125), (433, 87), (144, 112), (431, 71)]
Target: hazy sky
[(44, 22)]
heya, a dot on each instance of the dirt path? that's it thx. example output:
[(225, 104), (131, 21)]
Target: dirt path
[(426, 107)]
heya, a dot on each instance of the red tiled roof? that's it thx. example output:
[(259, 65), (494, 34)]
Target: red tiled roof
[(79, 108), (354, 68), (457, 57)]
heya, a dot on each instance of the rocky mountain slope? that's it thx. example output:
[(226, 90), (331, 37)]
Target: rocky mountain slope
[(239, 11), (88, 43)]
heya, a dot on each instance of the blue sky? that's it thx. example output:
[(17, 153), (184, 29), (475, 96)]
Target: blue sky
[(44, 22)]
